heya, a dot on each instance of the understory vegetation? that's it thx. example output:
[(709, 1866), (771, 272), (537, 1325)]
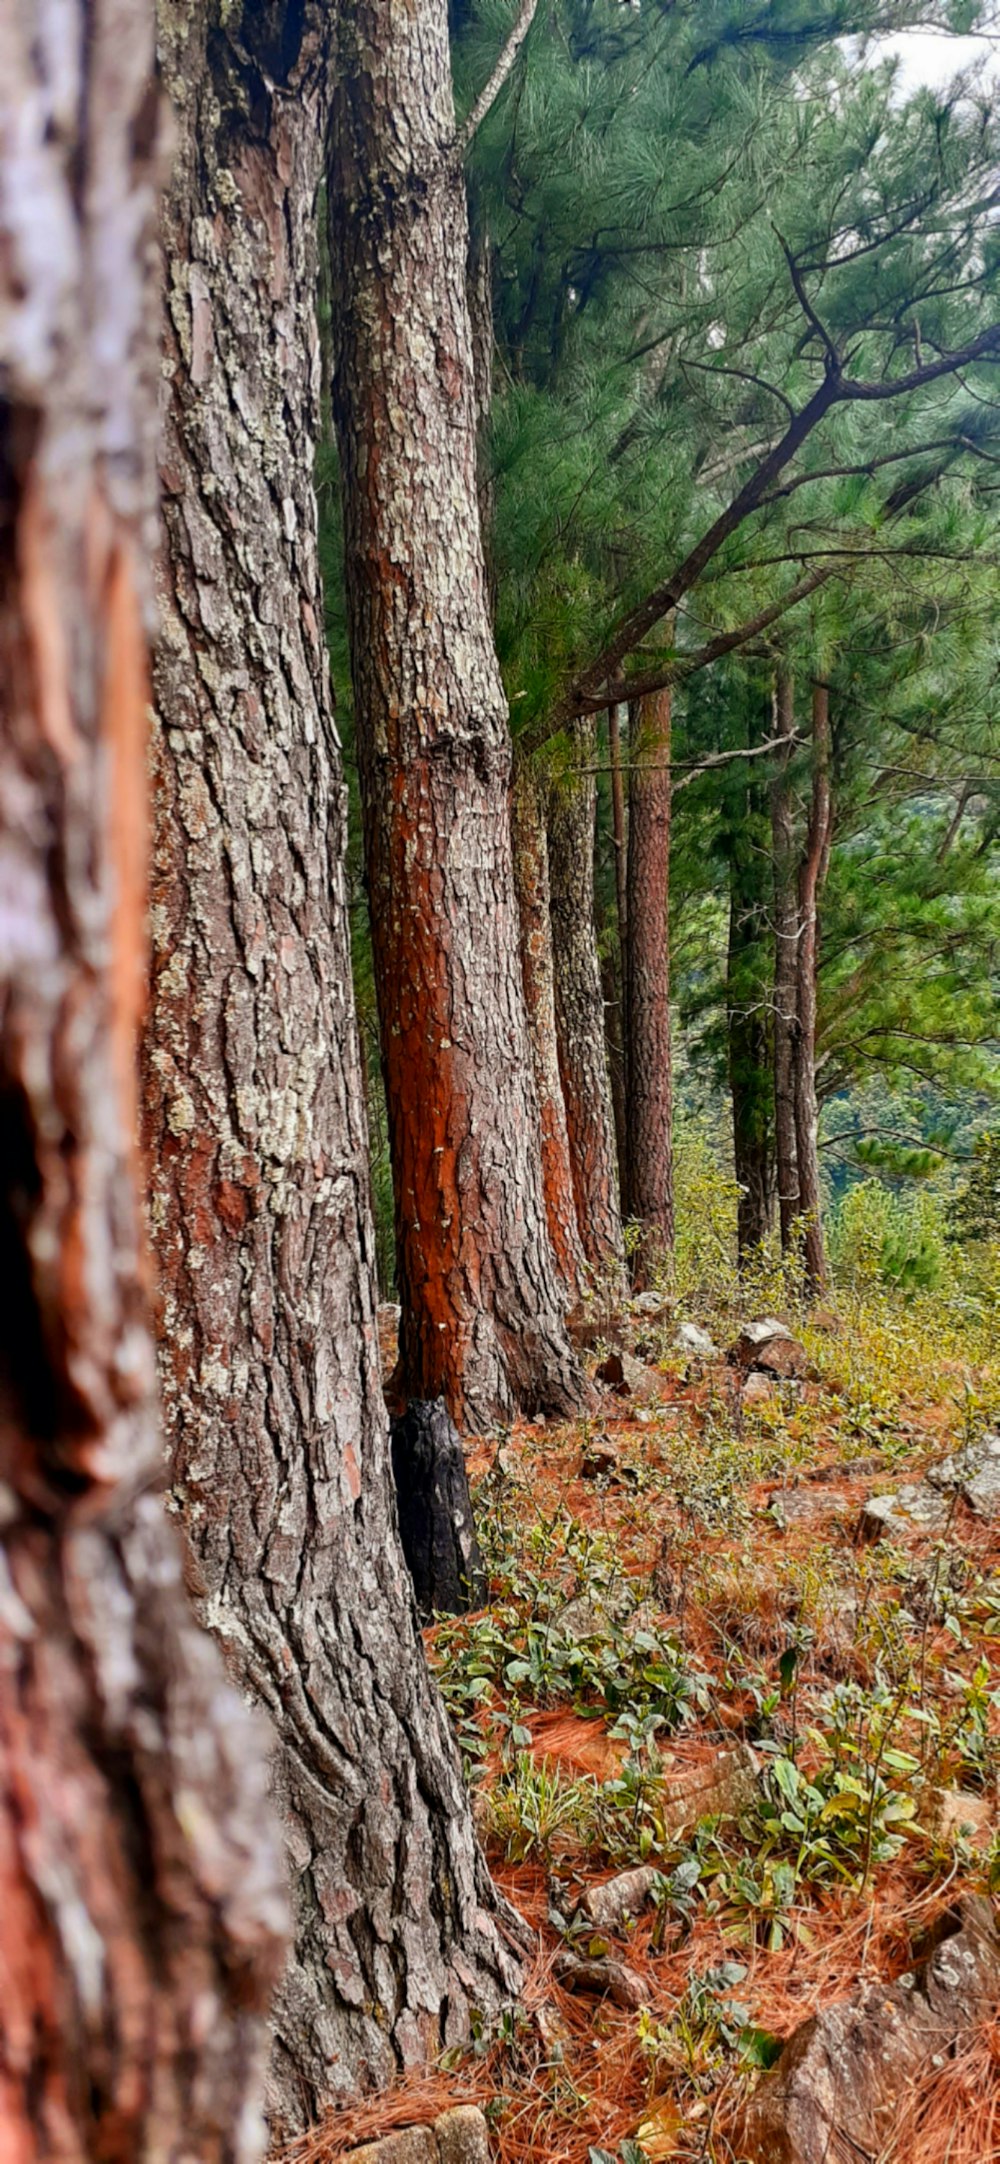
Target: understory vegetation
[(689, 1660)]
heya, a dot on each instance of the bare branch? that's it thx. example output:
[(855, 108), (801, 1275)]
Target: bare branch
[(490, 93)]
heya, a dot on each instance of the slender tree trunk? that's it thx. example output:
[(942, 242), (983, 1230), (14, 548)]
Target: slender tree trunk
[(648, 1055), (142, 1916), (614, 967), (580, 1008), (812, 874), (482, 1304), (749, 975), (786, 933), (531, 873), (620, 835), (255, 1120)]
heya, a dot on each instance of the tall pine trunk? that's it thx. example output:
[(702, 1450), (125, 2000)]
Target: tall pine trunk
[(579, 1003), (812, 874), (786, 938), (748, 999), (482, 1305), (531, 874), (648, 1047), (141, 1912), (614, 966), (255, 1122)]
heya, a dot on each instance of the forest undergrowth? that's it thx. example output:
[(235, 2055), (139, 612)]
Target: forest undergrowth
[(679, 1594)]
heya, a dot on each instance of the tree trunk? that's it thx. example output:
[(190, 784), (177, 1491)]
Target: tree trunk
[(482, 1306), (748, 998), (648, 1055), (614, 967), (786, 933), (142, 1917), (531, 875), (812, 873), (579, 1006), (255, 1122)]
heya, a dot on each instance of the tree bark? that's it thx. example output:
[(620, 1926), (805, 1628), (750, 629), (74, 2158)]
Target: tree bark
[(786, 935), (812, 874), (142, 1917), (579, 1005), (482, 1306), (648, 1055), (255, 1121), (531, 875)]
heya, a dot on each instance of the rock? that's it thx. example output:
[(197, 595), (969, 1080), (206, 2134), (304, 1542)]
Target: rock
[(975, 1472), (509, 1465), (435, 1511), (585, 1618), (758, 1389), (599, 1460), (629, 1378), (720, 1788), (949, 1812), (610, 1979), (910, 1510), (462, 2136), (627, 1895), (697, 1343), (413, 2145), (770, 1347), (836, 2089), (652, 1304), (790, 1506)]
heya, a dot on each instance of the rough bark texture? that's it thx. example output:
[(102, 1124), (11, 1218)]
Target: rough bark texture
[(531, 876), (786, 933), (648, 1055), (254, 1109), (812, 873), (141, 1911), (482, 1307), (579, 1004)]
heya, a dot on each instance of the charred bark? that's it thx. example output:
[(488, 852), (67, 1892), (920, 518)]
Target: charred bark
[(579, 1006), (812, 874), (531, 877), (435, 1512), (786, 936), (142, 1917), (482, 1306), (254, 1112), (648, 1048)]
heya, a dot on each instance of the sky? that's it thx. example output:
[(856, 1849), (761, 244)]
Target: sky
[(930, 56)]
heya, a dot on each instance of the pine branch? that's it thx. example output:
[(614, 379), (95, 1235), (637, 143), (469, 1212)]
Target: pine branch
[(491, 91), (591, 684)]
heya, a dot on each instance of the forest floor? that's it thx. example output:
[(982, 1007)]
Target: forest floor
[(691, 1660)]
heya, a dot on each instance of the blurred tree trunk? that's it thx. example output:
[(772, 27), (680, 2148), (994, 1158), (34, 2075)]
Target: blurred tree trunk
[(482, 1305), (579, 1004), (531, 874), (812, 874), (142, 1917), (748, 1000), (254, 1111), (649, 1089), (786, 932)]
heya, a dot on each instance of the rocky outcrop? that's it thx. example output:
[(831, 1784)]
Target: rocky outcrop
[(841, 2078)]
